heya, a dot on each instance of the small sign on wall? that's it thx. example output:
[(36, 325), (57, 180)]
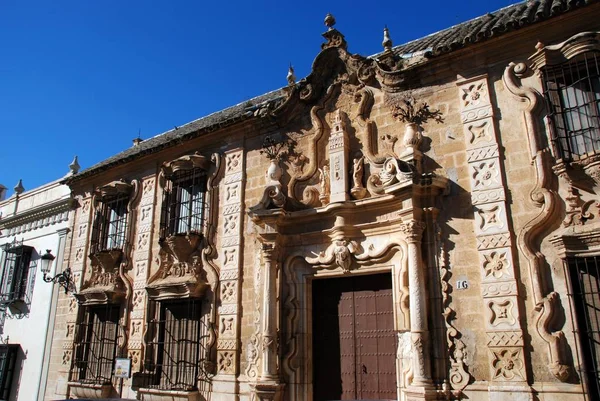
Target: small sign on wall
[(462, 283), (123, 368)]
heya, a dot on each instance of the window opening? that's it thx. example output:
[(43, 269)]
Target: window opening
[(110, 224), (17, 263), (572, 92), (584, 284), (96, 344), (183, 209), (8, 362), (178, 349)]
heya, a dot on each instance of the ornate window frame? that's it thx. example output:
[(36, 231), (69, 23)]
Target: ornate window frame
[(186, 271), (547, 57), (183, 256), (107, 282)]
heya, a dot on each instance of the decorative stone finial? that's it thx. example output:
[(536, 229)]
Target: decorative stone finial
[(19, 188), (74, 166), (2, 192), (329, 21), (387, 41), (291, 78), (333, 36)]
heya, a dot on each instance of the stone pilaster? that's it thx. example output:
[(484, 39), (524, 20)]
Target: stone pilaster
[(77, 262), (232, 189), (494, 239), (141, 257)]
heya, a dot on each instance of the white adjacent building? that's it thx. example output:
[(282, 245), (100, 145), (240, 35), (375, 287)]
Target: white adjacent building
[(31, 223)]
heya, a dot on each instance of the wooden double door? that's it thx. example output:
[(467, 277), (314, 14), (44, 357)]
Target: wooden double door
[(354, 343)]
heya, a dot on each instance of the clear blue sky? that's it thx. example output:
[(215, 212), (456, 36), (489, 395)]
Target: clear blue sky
[(81, 77)]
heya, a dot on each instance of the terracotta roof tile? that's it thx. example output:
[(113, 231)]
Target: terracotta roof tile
[(461, 35)]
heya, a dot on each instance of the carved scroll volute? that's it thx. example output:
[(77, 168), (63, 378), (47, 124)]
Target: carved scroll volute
[(543, 195)]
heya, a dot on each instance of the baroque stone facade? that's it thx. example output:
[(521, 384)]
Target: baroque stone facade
[(458, 174)]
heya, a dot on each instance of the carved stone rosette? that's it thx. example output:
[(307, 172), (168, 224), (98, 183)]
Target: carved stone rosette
[(232, 188), (494, 239)]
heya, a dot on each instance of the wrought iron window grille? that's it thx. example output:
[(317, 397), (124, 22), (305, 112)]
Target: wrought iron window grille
[(96, 344), (583, 275), (8, 362), (177, 347), (110, 224), (18, 274), (572, 93), (184, 204)]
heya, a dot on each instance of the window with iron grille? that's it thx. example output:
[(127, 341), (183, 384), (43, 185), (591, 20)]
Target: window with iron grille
[(584, 292), (176, 353), (8, 361), (572, 92), (17, 262), (110, 224), (95, 345), (183, 208)]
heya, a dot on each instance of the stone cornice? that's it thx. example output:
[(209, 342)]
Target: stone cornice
[(45, 214)]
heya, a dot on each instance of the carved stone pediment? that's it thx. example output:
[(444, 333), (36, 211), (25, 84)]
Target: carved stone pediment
[(113, 189), (184, 163), (105, 284), (180, 272)]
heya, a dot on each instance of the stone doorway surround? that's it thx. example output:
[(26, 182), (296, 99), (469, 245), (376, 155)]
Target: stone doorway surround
[(374, 235)]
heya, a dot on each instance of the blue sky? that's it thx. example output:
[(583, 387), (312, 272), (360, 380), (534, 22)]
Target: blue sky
[(82, 77)]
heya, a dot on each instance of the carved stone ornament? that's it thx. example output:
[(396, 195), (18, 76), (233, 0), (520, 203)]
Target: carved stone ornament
[(114, 188), (180, 268), (394, 171), (547, 303), (358, 191), (577, 212), (105, 284), (343, 253), (507, 365), (184, 163), (338, 254), (272, 197)]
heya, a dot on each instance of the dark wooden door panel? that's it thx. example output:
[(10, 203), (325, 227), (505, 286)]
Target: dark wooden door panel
[(354, 343)]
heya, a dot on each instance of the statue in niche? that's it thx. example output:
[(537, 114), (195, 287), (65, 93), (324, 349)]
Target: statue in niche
[(324, 183), (358, 191)]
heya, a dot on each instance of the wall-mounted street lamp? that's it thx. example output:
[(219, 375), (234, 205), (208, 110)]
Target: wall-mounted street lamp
[(64, 279)]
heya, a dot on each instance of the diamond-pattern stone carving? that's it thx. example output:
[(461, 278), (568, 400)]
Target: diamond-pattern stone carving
[(505, 338)]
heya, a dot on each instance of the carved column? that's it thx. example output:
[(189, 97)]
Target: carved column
[(413, 230), (269, 321), (494, 238)]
